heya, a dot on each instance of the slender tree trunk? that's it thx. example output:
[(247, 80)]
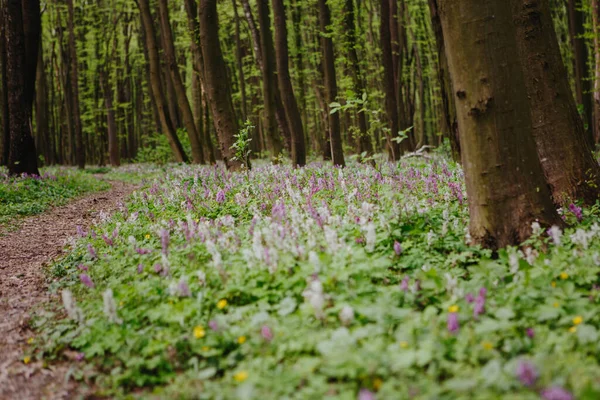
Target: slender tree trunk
[(449, 121), (111, 122), (505, 181), (217, 83), (239, 60), (5, 134), (22, 155), (596, 30), (180, 91), (580, 65), (41, 109), (155, 82), (75, 105), (337, 152), (285, 85), (565, 155)]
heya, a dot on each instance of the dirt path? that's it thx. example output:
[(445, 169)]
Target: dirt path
[(39, 240)]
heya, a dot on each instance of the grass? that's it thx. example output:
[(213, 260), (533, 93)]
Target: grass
[(319, 283)]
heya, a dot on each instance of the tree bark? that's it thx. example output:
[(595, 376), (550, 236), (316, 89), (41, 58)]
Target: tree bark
[(75, 106), (22, 155), (239, 60), (5, 134), (596, 104), (285, 85), (155, 82), (41, 110), (217, 83), (180, 91), (565, 155), (337, 152), (389, 81), (111, 122), (505, 183)]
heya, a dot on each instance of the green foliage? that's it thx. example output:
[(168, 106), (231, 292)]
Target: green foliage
[(158, 151), (242, 144), (32, 195)]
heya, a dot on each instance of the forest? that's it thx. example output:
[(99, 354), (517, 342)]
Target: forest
[(300, 199)]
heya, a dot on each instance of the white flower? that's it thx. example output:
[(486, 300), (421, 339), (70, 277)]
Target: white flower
[(315, 297), (555, 234), (73, 311), (371, 237), (110, 308), (346, 315), (536, 228)]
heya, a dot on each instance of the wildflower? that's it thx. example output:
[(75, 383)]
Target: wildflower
[(404, 344), (140, 268), (526, 373), (487, 345), (110, 308), (80, 231), (555, 234), (79, 356), (157, 268), (577, 320), (266, 333), (479, 307), (240, 376), (453, 324), (73, 311), (222, 304), (164, 241), (573, 329), (241, 339), (346, 315), (365, 394), (536, 228), (530, 333), (183, 288), (556, 393), (26, 360), (577, 212), (564, 275), (453, 309), (220, 196), (86, 280), (404, 284), (199, 332), (91, 251), (82, 267), (314, 294), (30, 340), (147, 236), (553, 284), (377, 382), (205, 348), (469, 298), (213, 325), (397, 248), (555, 305), (107, 240)]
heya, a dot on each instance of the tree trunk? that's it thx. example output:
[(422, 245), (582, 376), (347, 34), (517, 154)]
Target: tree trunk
[(155, 82), (596, 107), (449, 123), (5, 134), (285, 85), (111, 122), (505, 182), (41, 109), (337, 152), (75, 106), (22, 155), (389, 81), (566, 157), (217, 83), (239, 60), (580, 65), (180, 91)]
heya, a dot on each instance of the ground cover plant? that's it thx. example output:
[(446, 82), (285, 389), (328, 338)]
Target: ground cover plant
[(29, 195), (324, 283)]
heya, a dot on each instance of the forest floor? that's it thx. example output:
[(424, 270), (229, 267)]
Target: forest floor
[(23, 289)]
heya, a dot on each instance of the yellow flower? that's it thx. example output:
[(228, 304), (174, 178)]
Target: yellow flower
[(199, 332), (30, 340), (453, 309), (121, 303), (553, 284), (205, 348), (240, 376), (222, 304), (404, 344), (26, 359), (564, 275), (555, 305), (147, 236), (242, 340), (487, 345), (377, 383), (573, 329), (577, 320)]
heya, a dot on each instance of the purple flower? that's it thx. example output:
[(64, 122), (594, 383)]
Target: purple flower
[(143, 251), (93, 234), (212, 324), (79, 356), (479, 307), (86, 280), (221, 196), (184, 289), (576, 211), (82, 267), (527, 373), (80, 231), (556, 393), (266, 333), (483, 292), (115, 233), (453, 325), (365, 394), (107, 240), (530, 332), (397, 248), (140, 268), (404, 284), (164, 241), (157, 268), (92, 251)]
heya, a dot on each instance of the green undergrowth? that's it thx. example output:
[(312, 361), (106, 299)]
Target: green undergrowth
[(25, 196), (315, 283)]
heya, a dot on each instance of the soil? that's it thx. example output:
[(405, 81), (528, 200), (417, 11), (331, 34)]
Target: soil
[(23, 290)]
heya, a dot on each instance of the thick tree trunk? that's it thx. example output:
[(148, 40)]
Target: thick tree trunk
[(217, 83), (155, 82), (566, 157), (449, 123), (364, 141), (285, 85), (505, 181), (335, 136), (180, 91), (5, 133), (389, 81), (22, 156), (596, 106), (75, 106), (580, 65), (239, 54)]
